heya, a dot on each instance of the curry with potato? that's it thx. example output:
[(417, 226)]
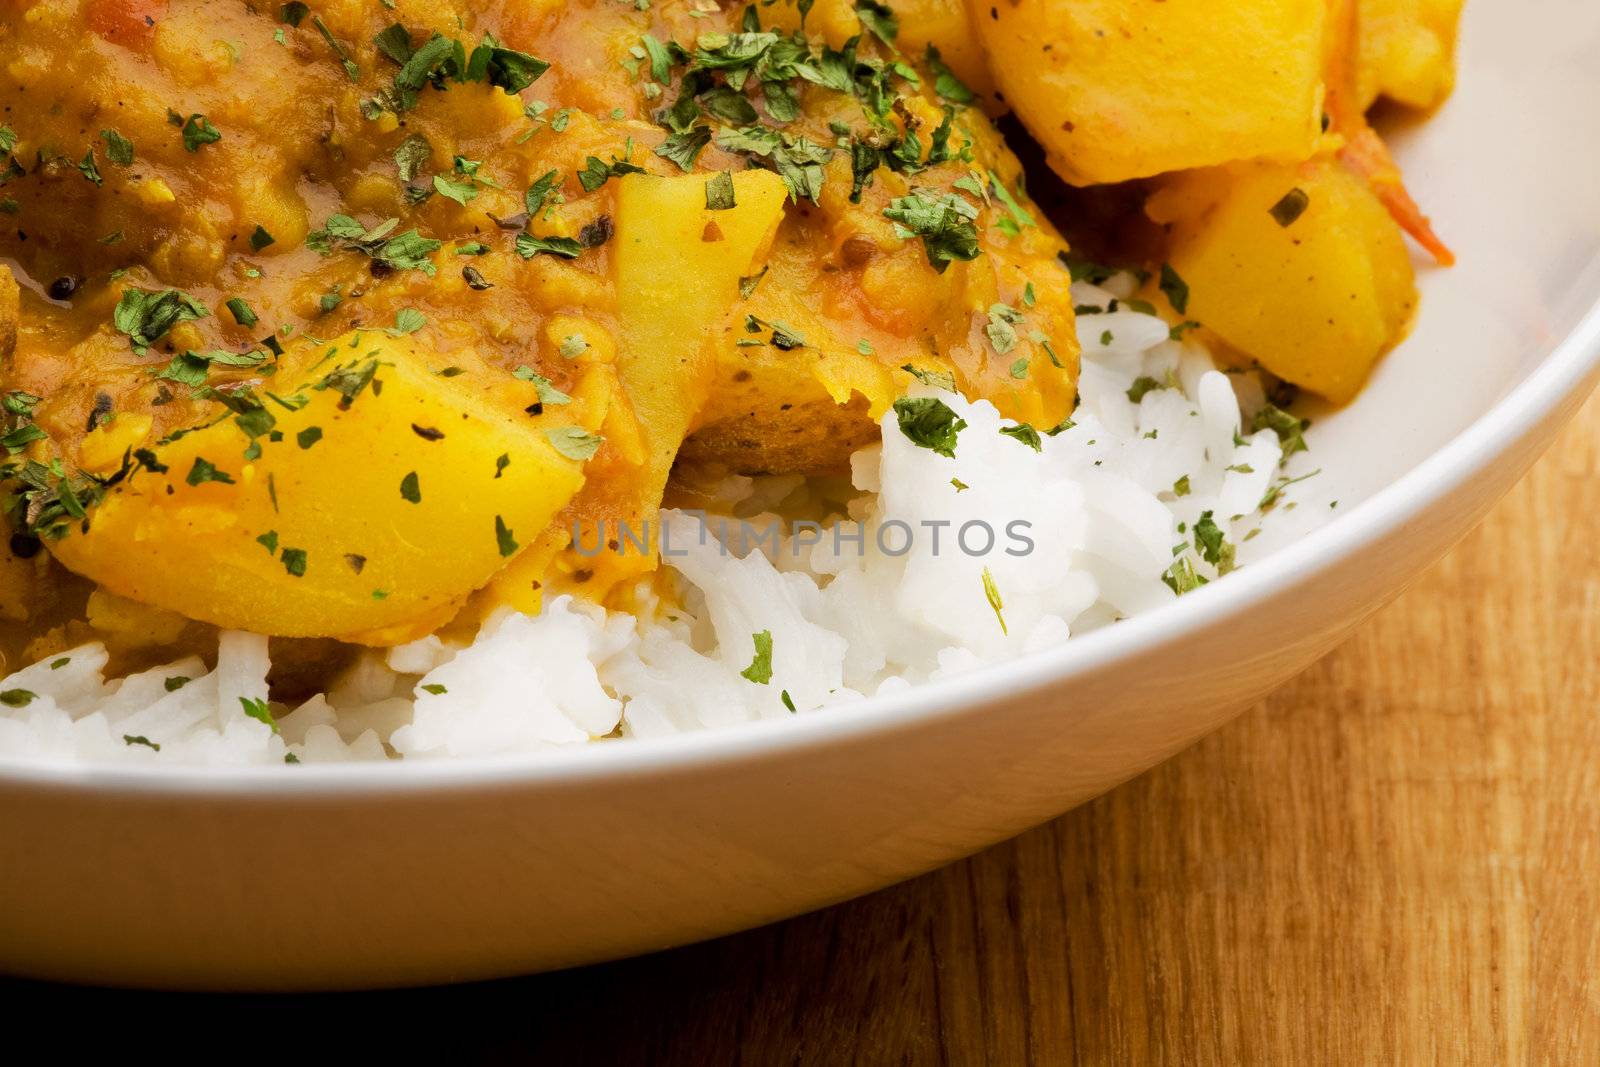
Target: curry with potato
[(334, 320)]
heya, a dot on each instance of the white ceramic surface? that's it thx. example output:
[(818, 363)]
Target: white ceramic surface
[(385, 875)]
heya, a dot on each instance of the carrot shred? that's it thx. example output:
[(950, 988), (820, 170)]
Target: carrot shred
[(1364, 151)]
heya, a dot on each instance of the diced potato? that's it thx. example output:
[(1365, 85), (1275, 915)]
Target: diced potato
[(1316, 286), (1407, 50), (678, 266), (945, 24), (370, 517), (1121, 89)]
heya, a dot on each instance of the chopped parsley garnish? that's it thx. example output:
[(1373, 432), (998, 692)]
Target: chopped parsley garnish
[(89, 169), (268, 541), (1287, 212), (351, 71), (406, 251), (145, 315), (190, 367), (196, 130), (1142, 385), (1291, 431), (1001, 329), (261, 239), (945, 222), (991, 593), (407, 321), (1176, 289), (534, 200), (412, 153), (879, 19), (294, 561), (595, 173), (574, 442), (175, 683), (308, 436), (502, 536), (411, 488), (529, 246), (548, 393), (205, 471), (719, 192), (1024, 433), (257, 709), (17, 698), (241, 312), (760, 669), (1212, 544), (1182, 578), (938, 379), (930, 423), (140, 739), (435, 688)]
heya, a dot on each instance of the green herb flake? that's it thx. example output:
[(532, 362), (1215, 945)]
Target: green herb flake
[(411, 488), (196, 130), (205, 471), (1287, 211), (1024, 433), (991, 593), (1291, 430), (118, 148), (241, 312), (258, 710), (760, 669), (930, 423), (1213, 544), (719, 192), (17, 698), (504, 539), (407, 321), (1175, 288), (574, 442), (140, 739)]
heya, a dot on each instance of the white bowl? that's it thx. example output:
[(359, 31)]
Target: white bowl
[(395, 874)]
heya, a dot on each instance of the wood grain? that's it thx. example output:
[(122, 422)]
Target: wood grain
[(1394, 860)]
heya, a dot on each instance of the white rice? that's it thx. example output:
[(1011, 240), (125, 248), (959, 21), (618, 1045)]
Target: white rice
[(846, 619)]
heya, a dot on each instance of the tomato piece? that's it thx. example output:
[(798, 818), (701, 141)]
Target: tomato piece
[(130, 23)]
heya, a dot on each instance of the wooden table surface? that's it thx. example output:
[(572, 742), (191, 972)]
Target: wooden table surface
[(1394, 860)]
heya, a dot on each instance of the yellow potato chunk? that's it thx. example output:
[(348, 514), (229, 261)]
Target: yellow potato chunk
[(377, 504), (1121, 89), (1299, 267), (678, 265), (1406, 50)]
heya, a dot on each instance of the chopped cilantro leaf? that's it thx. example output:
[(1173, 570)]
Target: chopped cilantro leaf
[(930, 423), (760, 669)]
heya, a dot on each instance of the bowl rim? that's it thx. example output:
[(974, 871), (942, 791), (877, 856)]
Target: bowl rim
[(1569, 366)]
